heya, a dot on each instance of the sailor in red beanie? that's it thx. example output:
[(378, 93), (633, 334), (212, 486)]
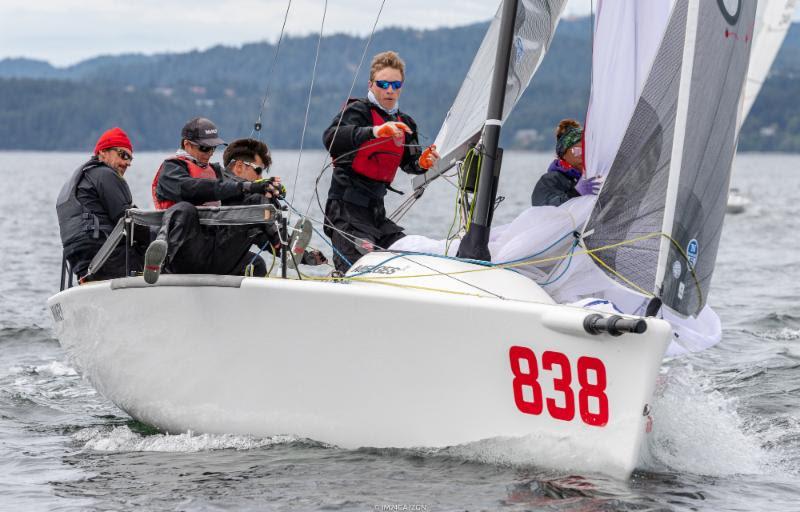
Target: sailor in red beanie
[(90, 205), (114, 149)]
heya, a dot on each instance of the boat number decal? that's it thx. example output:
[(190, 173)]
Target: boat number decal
[(370, 269), (58, 315), (691, 253), (592, 400)]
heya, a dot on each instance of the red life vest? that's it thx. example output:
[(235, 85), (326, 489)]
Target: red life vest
[(378, 159), (195, 171)]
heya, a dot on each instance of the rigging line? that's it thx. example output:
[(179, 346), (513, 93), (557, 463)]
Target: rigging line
[(350, 238), (349, 94), (270, 73), (620, 276), (405, 256), (398, 285), (569, 262), (308, 105), (437, 272), (528, 260)]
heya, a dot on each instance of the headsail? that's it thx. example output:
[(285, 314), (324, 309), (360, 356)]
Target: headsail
[(536, 23), (773, 19), (664, 198), (628, 36)]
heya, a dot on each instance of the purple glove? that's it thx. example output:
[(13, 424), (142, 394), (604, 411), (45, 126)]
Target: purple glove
[(589, 186)]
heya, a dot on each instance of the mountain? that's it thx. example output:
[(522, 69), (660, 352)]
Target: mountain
[(45, 107)]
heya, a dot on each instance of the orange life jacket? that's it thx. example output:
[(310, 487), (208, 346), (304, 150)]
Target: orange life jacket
[(195, 171), (379, 159)]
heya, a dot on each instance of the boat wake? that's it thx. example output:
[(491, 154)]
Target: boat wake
[(697, 429), (123, 439), (782, 334), (52, 369)]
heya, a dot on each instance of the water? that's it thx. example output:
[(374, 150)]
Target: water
[(727, 421)]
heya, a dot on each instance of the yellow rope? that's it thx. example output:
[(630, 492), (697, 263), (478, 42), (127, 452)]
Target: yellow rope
[(377, 281), (475, 185), (384, 280), (623, 278)]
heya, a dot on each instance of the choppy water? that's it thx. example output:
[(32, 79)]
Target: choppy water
[(727, 425)]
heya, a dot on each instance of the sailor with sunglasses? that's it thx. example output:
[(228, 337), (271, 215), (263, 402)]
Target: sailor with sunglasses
[(92, 202), (183, 182), (250, 160), (368, 141)]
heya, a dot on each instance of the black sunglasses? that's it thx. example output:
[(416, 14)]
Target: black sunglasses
[(124, 155), (202, 148)]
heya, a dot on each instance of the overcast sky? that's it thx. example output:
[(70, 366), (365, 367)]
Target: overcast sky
[(66, 31)]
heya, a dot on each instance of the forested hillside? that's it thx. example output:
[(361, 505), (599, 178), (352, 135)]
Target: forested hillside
[(42, 107)]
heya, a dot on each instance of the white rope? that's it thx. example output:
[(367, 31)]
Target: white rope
[(308, 106), (349, 94), (270, 73)]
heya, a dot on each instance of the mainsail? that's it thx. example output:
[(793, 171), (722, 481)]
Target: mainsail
[(664, 199), (536, 23)]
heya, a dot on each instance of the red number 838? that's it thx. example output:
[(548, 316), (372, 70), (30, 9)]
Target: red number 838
[(595, 414)]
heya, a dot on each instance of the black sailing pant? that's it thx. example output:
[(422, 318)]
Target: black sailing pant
[(196, 249), (359, 230)]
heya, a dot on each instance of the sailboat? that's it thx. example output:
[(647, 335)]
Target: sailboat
[(653, 231), (411, 350)]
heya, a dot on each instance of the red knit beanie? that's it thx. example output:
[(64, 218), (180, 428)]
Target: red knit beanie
[(113, 138)]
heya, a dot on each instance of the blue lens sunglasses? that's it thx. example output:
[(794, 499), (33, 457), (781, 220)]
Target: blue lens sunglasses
[(384, 84)]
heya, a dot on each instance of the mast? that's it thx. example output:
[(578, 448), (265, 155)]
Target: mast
[(475, 244)]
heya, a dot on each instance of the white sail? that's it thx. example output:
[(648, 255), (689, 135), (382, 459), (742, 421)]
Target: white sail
[(657, 222), (534, 28), (666, 142), (630, 34), (773, 19)]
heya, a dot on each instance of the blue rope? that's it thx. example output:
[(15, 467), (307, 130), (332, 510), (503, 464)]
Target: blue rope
[(525, 258), (569, 262), (402, 254)]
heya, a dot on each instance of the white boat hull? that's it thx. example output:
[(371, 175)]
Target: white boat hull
[(737, 204), (365, 364)]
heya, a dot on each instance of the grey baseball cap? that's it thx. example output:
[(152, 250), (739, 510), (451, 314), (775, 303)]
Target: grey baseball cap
[(201, 131)]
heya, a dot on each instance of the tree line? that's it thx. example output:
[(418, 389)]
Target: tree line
[(48, 108)]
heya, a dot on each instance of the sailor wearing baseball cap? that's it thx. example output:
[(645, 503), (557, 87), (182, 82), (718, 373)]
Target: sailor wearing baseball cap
[(202, 132), (184, 181)]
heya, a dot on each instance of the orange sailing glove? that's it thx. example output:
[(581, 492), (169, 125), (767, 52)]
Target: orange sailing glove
[(429, 157), (393, 129)]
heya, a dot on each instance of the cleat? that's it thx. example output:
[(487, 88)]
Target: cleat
[(301, 236)]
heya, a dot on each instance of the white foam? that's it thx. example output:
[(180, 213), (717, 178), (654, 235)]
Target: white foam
[(560, 453), (785, 334), (54, 369), (123, 439), (697, 429)]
